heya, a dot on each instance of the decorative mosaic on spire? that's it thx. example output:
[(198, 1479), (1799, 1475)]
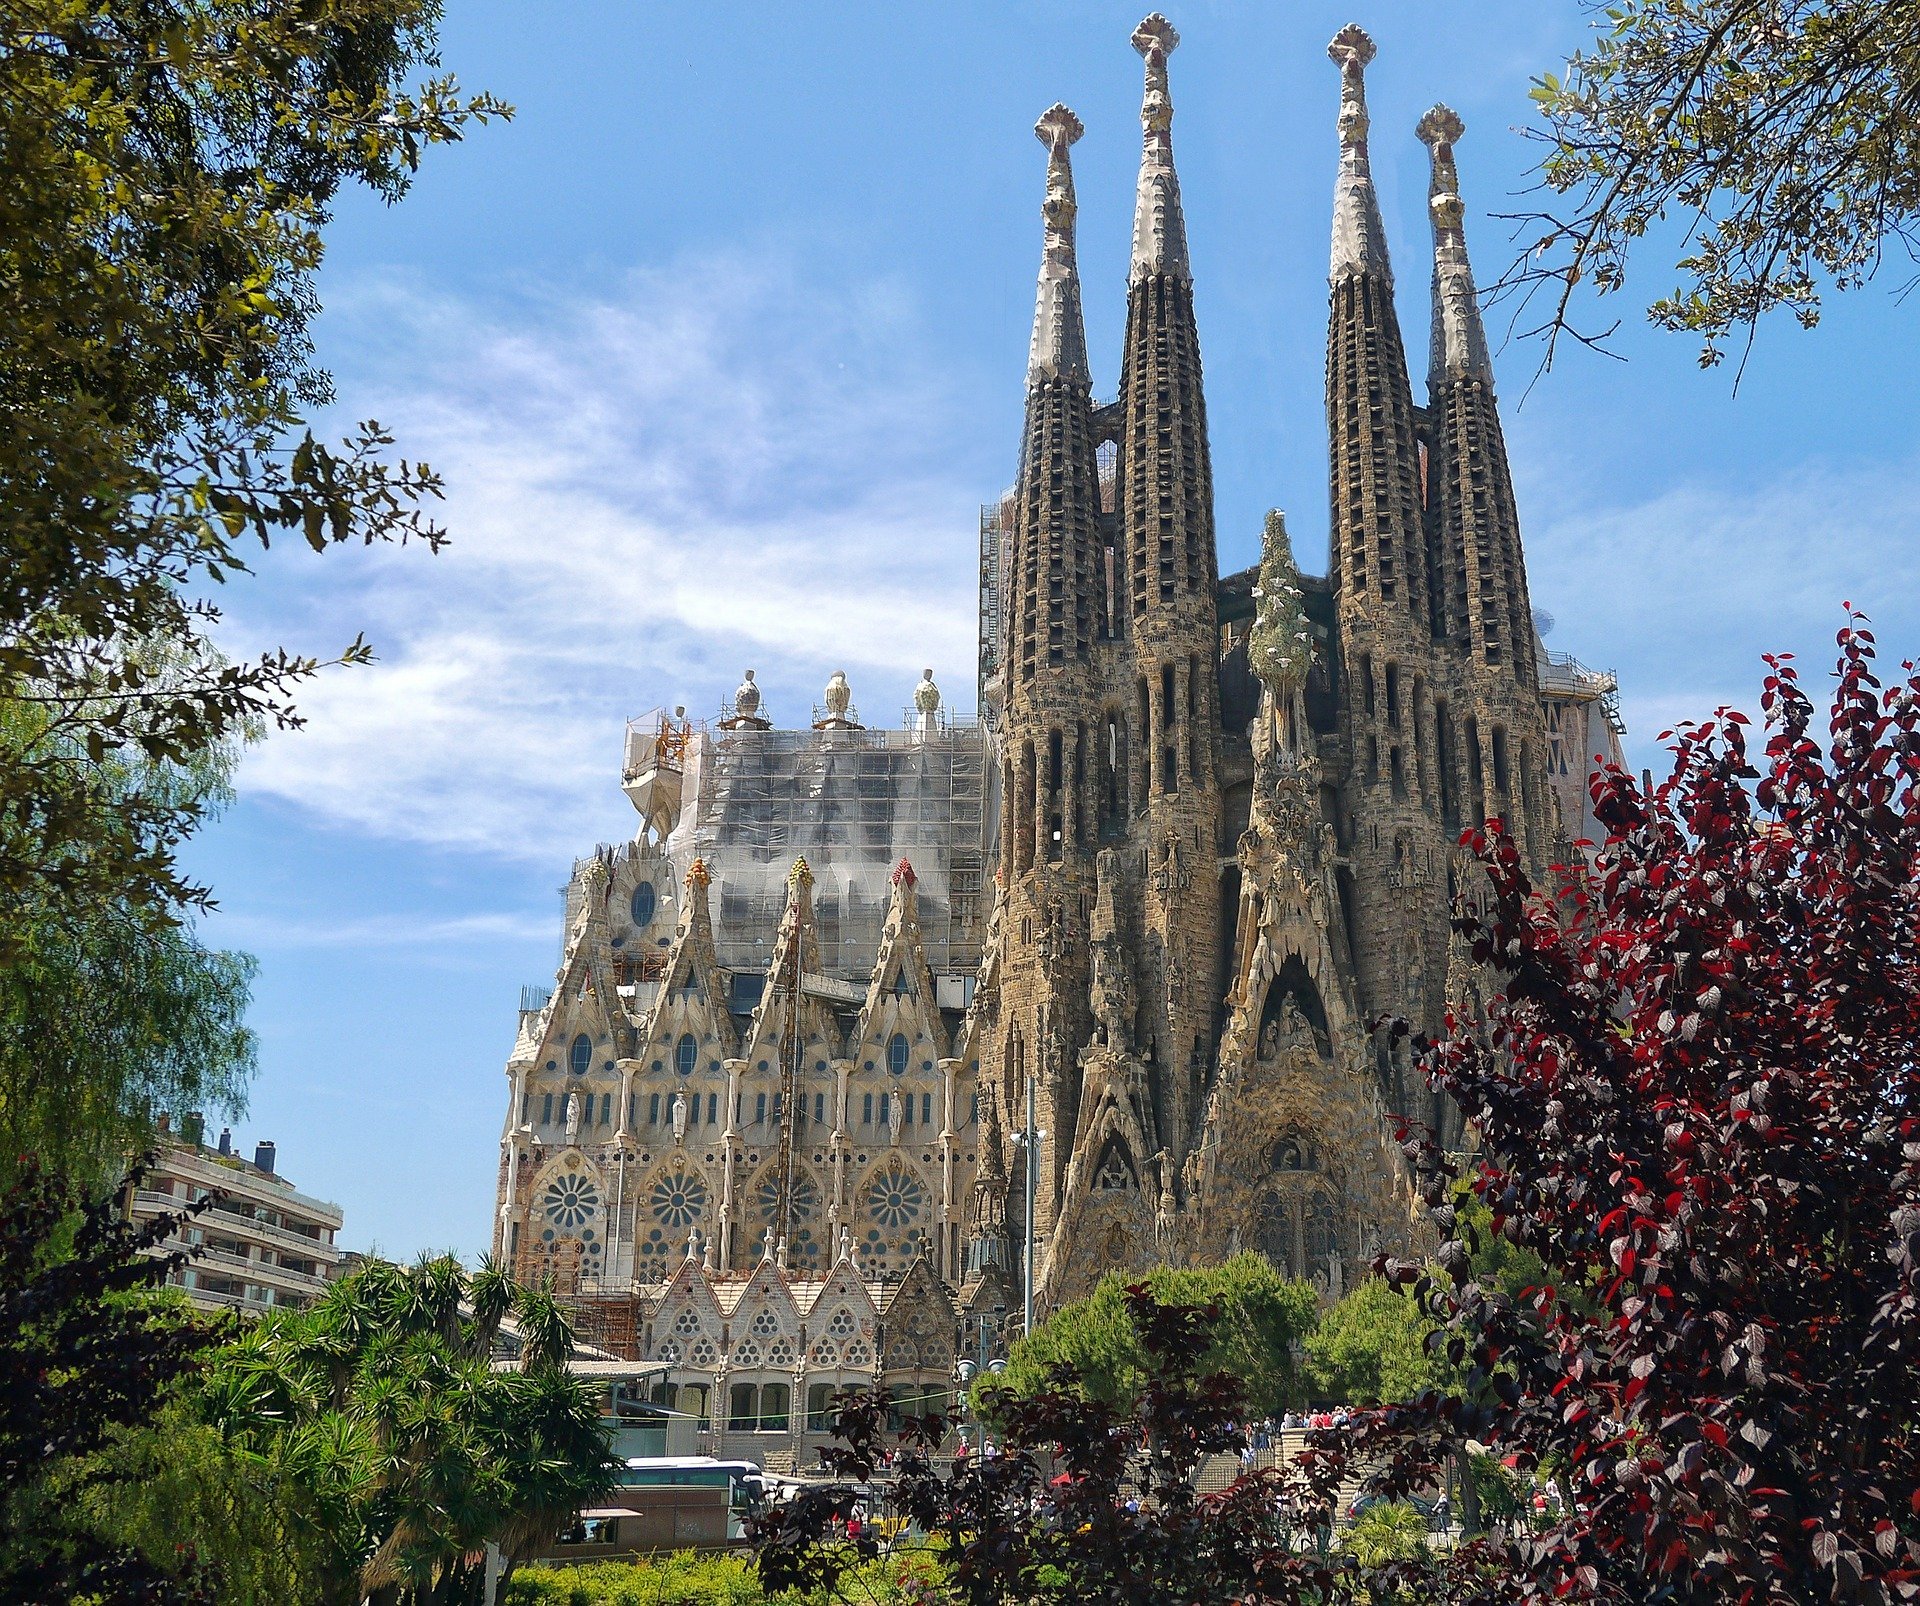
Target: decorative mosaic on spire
[(1359, 238), (1159, 227), (1059, 333), (1459, 337), (1278, 645)]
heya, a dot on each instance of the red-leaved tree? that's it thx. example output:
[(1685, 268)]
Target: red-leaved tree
[(1698, 1101)]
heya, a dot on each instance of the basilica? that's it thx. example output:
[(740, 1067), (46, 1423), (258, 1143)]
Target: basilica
[(876, 1025)]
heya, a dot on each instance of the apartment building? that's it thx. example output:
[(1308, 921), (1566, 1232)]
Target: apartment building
[(262, 1244)]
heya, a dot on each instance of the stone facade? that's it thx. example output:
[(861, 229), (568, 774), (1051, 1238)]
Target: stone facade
[(1222, 817)]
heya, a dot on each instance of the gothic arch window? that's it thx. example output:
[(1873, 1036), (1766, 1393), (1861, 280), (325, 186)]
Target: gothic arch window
[(686, 1053), (1321, 1234), (1274, 1231), (580, 1055), (897, 1051)]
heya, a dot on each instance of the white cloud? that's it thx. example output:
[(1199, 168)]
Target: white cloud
[(721, 466), (1680, 592)]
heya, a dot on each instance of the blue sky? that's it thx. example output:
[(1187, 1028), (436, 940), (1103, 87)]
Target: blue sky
[(720, 345)]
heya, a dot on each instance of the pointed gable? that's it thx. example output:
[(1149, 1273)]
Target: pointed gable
[(691, 999), (585, 1001), (688, 1322), (766, 1322), (796, 949), (900, 996), (919, 1321)]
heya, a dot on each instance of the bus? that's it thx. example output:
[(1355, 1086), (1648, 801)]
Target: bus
[(672, 1502)]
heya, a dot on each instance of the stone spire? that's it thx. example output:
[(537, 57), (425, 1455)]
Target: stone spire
[(1359, 240), (1059, 335), (1159, 228), (1459, 338), (1379, 541)]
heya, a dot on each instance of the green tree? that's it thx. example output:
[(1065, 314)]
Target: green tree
[(1371, 1348), (106, 1018), (90, 1351), (1262, 1317), (1775, 139), (401, 1447), (167, 170)]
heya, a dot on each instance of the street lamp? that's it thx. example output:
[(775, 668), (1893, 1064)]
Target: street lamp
[(1029, 1141), (963, 1374)]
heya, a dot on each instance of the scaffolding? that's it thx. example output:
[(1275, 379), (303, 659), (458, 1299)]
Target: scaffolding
[(854, 802), (991, 527)]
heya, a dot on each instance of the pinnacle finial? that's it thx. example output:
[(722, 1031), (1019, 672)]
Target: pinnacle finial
[(1155, 33), (1459, 347), (1058, 128), (1441, 126), (1359, 238), (1159, 226), (1352, 48), (1059, 344)]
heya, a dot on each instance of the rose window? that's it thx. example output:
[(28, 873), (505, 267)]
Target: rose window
[(703, 1353), (679, 1200), (669, 1352), (806, 1197), (895, 1197), (859, 1354), (824, 1354), (687, 1323), (746, 1353), (842, 1324), (781, 1354), (571, 1200), (765, 1325)]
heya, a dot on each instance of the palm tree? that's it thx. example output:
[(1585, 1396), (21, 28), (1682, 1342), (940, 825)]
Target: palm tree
[(408, 1450)]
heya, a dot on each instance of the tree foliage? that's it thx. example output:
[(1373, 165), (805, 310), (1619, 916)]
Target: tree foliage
[(1261, 1317), (107, 1019), (1777, 138), (402, 1449), (167, 168), (88, 1353), (1700, 1100), (1371, 1347)]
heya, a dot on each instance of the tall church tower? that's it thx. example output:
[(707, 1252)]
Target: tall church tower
[(1167, 553), (1055, 606), (1494, 747), (1388, 817)]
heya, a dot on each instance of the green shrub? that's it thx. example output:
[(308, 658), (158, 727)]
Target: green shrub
[(691, 1578)]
